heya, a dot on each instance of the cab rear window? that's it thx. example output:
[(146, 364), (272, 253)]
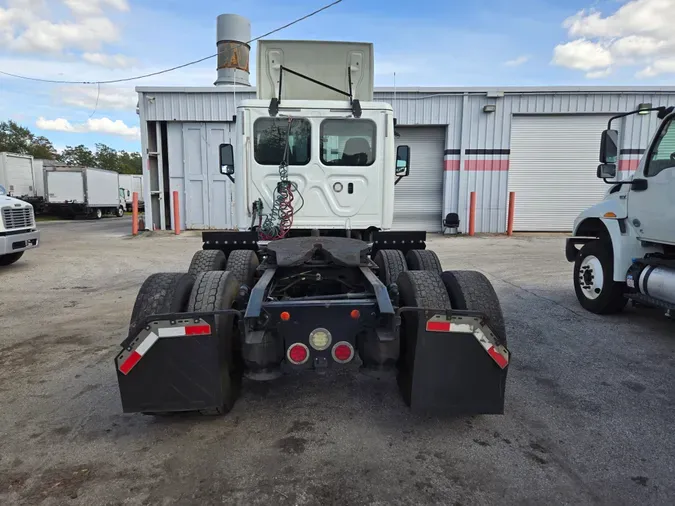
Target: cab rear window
[(347, 142), (270, 138)]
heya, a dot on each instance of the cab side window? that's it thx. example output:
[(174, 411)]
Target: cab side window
[(663, 155)]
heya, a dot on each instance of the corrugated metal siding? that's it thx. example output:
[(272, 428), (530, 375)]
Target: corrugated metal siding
[(480, 130)]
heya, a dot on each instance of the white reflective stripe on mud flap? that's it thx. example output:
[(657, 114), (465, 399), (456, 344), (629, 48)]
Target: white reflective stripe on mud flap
[(147, 343), (171, 332)]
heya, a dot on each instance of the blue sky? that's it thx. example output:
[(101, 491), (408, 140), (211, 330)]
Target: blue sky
[(433, 43)]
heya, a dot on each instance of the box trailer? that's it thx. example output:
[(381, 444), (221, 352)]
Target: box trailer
[(131, 183), (17, 176), (83, 191)]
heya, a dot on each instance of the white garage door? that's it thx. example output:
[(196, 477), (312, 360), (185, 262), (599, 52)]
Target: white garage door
[(552, 169), (419, 197)]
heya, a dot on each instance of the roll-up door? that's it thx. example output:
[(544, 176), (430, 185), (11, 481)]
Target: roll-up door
[(552, 169), (418, 203)]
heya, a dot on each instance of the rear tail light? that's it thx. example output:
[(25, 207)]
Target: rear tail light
[(343, 352), (297, 354)]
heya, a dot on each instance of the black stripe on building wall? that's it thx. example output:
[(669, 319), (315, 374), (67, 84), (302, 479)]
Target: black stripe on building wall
[(632, 151), (487, 152), (450, 152)]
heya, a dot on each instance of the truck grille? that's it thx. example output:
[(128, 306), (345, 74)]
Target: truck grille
[(17, 217)]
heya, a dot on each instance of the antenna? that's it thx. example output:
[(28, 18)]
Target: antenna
[(394, 104)]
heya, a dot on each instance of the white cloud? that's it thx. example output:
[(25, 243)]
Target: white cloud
[(517, 61), (94, 7), (98, 125), (44, 36), (582, 54), (89, 97), (639, 33), (111, 61), (58, 125), (598, 74)]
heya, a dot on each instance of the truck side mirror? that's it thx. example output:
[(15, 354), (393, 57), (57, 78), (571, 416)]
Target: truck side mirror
[(609, 146), (227, 160), (402, 161), (607, 170)]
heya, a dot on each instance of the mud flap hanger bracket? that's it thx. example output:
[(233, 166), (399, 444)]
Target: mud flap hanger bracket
[(275, 101), (459, 321)]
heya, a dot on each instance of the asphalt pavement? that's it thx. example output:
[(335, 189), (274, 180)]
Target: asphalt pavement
[(588, 417)]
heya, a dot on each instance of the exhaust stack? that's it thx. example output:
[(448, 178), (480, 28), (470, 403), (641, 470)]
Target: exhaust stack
[(233, 33)]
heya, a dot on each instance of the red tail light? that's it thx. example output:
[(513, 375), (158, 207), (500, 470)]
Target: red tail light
[(297, 354), (343, 352)]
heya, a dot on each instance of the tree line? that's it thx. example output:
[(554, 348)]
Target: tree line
[(15, 138)]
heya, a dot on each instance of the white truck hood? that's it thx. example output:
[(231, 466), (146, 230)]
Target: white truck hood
[(10, 201)]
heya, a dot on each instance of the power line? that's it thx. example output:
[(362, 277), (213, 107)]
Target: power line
[(152, 74)]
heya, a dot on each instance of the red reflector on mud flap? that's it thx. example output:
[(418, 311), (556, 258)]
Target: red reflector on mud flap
[(136, 355), (130, 362), (498, 357), (197, 330), (438, 326)]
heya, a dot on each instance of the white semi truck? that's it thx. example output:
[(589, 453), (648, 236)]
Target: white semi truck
[(628, 240), (21, 176), (314, 279), (18, 231), (83, 191)]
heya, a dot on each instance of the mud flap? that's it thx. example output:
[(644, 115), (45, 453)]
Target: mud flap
[(174, 364), (456, 365)]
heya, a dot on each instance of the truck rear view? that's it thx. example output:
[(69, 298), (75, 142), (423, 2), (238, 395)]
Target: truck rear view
[(314, 280)]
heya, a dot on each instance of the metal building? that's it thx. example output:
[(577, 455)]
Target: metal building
[(541, 143)]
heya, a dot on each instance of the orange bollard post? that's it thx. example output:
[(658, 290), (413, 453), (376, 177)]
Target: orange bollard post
[(134, 214), (512, 211), (472, 214), (176, 213)]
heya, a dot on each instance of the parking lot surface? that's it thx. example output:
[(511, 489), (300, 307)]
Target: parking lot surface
[(589, 409)]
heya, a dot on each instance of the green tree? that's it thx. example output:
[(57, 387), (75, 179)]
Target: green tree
[(106, 157), (129, 163), (78, 155), (17, 139)]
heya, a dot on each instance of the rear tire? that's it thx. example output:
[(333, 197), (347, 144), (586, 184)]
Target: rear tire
[(472, 291), (10, 258), (207, 260), (165, 292), (242, 263), (423, 260), (594, 283), (417, 289), (391, 263), (98, 213), (213, 291)]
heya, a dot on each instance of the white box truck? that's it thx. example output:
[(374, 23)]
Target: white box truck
[(83, 191), (131, 183)]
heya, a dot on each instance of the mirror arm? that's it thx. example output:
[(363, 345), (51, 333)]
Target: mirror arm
[(398, 179), (229, 176)]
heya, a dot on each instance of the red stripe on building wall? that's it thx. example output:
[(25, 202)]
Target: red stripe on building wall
[(487, 164), (450, 165), (629, 164)]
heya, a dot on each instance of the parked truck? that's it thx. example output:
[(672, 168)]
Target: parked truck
[(18, 231), (628, 240), (89, 192), (21, 175), (315, 278), (131, 183)]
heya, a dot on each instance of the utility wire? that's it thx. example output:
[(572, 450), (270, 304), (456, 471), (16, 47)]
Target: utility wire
[(151, 74), (98, 95)]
